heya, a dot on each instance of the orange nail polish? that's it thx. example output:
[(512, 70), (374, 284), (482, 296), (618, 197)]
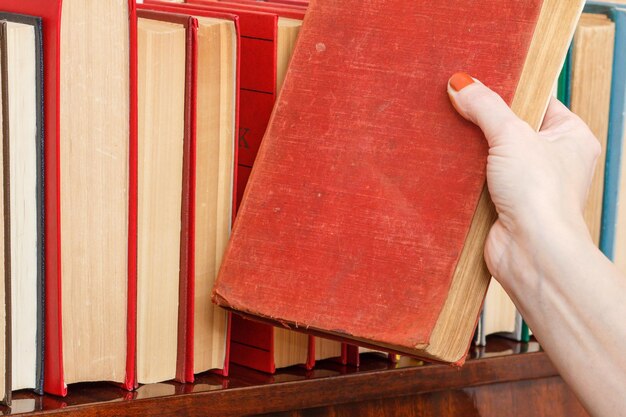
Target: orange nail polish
[(460, 80)]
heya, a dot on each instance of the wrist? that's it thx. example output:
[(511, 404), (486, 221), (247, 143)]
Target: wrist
[(538, 249)]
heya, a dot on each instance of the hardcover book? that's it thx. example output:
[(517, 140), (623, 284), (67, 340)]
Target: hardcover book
[(25, 134), (266, 44), (90, 190), (208, 183), (367, 198), (164, 68), (590, 94)]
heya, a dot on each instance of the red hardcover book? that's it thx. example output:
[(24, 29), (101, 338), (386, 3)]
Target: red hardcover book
[(334, 234), (280, 9), (185, 363), (297, 3), (272, 4), (251, 344), (51, 12)]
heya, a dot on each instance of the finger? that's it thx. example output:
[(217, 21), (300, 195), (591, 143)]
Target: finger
[(482, 106)]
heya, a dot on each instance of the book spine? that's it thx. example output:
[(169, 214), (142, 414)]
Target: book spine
[(54, 380), (130, 381), (8, 377), (563, 88), (41, 270), (184, 360), (615, 136)]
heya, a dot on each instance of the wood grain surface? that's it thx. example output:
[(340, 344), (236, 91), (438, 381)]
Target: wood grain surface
[(504, 379)]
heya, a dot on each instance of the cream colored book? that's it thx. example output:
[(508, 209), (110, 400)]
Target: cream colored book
[(93, 151), (499, 311), (23, 144), (286, 38), (592, 63), (161, 111), (215, 150)]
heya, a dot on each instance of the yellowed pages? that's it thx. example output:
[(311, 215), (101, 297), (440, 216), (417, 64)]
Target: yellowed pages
[(94, 143), (288, 30), (290, 347), (326, 348), (215, 142), (500, 311), (161, 52), (592, 68)]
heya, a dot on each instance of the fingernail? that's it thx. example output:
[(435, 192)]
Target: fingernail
[(460, 80)]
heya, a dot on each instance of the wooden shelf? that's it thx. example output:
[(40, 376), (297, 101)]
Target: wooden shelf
[(504, 375)]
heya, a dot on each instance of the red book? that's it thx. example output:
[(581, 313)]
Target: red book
[(252, 344), (58, 207), (272, 4), (364, 192), (198, 99), (196, 50), (281, 10)]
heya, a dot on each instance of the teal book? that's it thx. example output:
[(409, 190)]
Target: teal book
[(615, 138)]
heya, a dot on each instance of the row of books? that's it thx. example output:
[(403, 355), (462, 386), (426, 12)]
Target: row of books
[(129, 132), (142, 137)]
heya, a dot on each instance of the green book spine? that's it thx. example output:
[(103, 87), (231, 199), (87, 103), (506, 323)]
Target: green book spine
[(525, 337), (563, 87)]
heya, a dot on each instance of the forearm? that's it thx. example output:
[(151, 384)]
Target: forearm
[(574, 299)]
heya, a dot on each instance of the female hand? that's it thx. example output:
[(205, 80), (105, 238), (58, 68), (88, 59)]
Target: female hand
[(538, 181), (540, 250)]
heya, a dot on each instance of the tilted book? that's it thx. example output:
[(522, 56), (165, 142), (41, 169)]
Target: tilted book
[(367, 199)]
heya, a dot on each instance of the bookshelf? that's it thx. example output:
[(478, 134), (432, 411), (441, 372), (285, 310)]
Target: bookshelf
[(506, 378)]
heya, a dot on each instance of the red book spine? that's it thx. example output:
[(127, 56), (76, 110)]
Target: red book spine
[(254, 6), (310, 360), (130, 382), (188, 375)]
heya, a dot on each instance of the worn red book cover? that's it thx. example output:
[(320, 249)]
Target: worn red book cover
[(51, 12), (334, 234), (185, 363)]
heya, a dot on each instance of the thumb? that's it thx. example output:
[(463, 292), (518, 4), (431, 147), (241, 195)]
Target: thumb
[(485, 108)]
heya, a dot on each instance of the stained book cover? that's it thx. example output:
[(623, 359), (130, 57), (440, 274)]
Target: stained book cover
[(366, 200)]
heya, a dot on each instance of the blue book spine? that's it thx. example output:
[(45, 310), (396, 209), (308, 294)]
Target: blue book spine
[(615, 136), (616, 126)]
